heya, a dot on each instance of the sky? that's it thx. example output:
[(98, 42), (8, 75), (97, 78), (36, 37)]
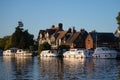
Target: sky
[(99, 15)]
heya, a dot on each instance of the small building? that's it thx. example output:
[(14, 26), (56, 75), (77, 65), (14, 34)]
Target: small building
[(95, 39)]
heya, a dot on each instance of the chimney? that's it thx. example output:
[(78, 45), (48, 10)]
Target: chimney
[(53, 26), (60, 26), (69, 30), (74, 30)]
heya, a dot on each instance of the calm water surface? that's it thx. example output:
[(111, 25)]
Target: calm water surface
[(35, 68)]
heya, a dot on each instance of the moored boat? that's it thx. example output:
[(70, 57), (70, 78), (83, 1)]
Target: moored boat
[(21, 52), (104, 52), (50, 53), (82, 53), (9, 53)]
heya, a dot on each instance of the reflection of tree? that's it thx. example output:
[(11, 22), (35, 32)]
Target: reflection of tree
[(22, 67), (7, 67)]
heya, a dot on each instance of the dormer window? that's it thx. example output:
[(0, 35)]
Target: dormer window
[(47, 35), (40, 35)]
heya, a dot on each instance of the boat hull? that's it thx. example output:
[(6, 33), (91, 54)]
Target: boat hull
[(104, 52), (78, 53), (50, 53), (105, 55)]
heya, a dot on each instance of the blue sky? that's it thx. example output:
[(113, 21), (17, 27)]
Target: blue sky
[(41, 14)]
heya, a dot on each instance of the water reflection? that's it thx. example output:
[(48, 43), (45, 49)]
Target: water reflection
[(22, 67), (16, 67), (6, 68), (106, 69), (77, 69), (65, 69), (49, 68)]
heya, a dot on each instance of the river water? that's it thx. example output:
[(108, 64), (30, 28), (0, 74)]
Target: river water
[(50, 68)]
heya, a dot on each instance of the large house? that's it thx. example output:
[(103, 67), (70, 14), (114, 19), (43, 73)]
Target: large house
[(95, 39), (45, 35), (56, 36)]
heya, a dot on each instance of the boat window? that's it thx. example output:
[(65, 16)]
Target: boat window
[(89, 53), (79, 52), (72, 50), (105, 55), (68, 52), (48, 51), (110, 55), (20, 50)]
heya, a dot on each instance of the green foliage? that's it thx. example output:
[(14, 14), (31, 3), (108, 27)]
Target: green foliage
[(94, 31), (8, 44), (19, 39), (44, 46), (4, 41), (61, 47), (118, 20), (31, 48), (20, 24)]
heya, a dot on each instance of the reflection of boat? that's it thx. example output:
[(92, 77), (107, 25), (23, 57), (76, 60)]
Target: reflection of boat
[(49, 53), (77, 53), (74, 61), (104, 52), (10, 52), (21, 52)]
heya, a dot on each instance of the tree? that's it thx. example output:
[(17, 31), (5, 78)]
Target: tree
[(44, 46), (4, 42), (61, 47), (118, 20), (20, 24), (21, 38), (94, 31)]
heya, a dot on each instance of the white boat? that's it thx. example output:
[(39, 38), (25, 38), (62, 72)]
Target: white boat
[(82, 53), (49, 53), (21, 52), (9, 52), (104, 52)]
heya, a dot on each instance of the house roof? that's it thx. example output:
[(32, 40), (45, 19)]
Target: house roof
[(73, 37), (103, 37), (61, 34), (41, 31), (50, 31)]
